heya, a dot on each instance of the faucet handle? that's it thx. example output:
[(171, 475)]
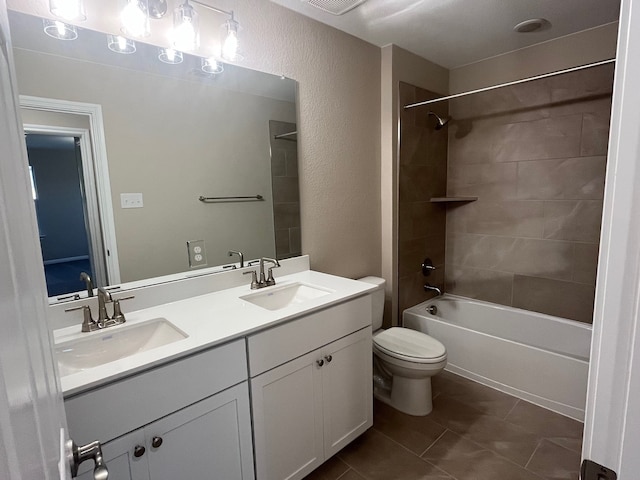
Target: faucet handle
[(270, 280), (88, 322), (254, 279), (118, 317)]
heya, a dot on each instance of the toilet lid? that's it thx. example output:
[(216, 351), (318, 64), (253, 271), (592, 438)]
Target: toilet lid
[(410, 344)]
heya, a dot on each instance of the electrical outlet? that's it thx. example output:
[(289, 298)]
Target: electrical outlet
[(197, 254), (131, 200)]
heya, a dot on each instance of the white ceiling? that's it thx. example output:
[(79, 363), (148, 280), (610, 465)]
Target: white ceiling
[(453, 33)]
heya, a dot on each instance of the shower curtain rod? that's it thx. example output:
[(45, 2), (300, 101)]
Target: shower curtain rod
[(508, 84)]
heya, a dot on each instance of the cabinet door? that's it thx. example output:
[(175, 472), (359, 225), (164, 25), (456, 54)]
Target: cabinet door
[(287, 419), (121, 461), (347, 390), (209, 440)]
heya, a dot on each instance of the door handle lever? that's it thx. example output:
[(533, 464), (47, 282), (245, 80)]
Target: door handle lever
[(90, 451)]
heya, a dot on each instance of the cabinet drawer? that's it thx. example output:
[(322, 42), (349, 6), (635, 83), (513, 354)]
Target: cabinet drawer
[(120, 407), (283, 343)]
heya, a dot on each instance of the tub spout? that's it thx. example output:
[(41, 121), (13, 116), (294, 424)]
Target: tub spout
[(431, 288)]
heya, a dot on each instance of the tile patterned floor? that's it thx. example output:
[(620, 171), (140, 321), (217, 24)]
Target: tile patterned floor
[(473, 433)]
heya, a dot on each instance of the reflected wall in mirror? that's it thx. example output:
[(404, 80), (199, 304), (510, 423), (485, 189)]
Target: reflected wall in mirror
[(172, 134)]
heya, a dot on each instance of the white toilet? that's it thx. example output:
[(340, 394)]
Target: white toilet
[(404, 361)]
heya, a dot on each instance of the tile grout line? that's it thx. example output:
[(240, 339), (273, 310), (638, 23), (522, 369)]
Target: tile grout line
[(533, 454), (411, 452), (344, 473), (434, 442), (512, 409)]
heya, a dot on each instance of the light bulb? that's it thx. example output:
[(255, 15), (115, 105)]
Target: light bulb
[(120, 44), (211, 65), (186, 36), (68, 9), (59, 30), (230, 46), (170, 56), (134, 20)]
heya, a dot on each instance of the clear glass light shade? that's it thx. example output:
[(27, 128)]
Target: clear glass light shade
[(72, 10), (134, 19), (120, 44), (170, 56), (212, 66), (59, 30), (230, 41), (186, 34)]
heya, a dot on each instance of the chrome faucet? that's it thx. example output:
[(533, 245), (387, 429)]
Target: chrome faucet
[(103, 320), (270, 280), (431, 288), (84, 277), (104, 297), (240, 254), (262, 281)]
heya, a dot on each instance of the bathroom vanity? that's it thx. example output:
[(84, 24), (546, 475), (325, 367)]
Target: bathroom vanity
[(264, 384)]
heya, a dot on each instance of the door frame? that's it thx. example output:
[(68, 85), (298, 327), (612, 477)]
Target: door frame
[(613, 395), (91, 208), (99, 204)]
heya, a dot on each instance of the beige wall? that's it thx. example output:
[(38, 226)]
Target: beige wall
[(339, 125), (535, 156), (398, 65), (580, 48), (173, 140)]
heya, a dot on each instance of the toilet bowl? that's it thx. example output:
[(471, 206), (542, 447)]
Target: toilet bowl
[(404, 361)]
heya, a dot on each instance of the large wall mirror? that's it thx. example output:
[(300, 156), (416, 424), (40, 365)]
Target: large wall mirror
[(123, 147)]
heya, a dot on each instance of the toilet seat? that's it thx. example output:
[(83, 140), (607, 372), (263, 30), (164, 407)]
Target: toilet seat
[(409, 346)]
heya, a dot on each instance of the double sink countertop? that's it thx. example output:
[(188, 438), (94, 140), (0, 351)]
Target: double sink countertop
[(206, 321)]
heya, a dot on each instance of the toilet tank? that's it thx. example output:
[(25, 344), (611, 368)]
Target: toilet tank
[(378, 300)]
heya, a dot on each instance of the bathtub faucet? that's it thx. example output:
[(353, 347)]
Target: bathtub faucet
[(431, 288)]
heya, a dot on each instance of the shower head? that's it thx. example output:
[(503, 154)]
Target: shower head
[(441, 122)]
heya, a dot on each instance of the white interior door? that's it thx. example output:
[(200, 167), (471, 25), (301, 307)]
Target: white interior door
[(612, 437), (32, 419)]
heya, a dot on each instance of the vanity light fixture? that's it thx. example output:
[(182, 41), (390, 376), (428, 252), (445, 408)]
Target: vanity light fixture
[(71, 10), (59, 30), (120, 44), (211, 66), (134, 18), (186, 34), (170, 56)]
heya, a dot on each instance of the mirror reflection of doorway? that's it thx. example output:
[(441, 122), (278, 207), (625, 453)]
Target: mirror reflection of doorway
[(55, 163)]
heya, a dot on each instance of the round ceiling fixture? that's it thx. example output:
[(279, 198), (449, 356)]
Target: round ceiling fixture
[(532, 25)]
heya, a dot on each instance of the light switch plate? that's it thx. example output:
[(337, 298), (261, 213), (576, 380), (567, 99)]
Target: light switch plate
[(131, 200), (197, 254)]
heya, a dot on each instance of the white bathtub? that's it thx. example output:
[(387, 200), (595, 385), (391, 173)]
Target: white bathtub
[(536, 357)]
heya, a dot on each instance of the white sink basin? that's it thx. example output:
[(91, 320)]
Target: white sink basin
[(277, 297), (115, 343)]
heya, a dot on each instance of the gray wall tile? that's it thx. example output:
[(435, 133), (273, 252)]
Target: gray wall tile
[(562, 179), (553, 297), (577, 220)]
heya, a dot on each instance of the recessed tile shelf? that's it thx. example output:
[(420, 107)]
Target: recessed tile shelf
[(452, 199)]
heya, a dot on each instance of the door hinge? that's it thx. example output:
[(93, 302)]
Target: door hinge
[(592, 471)]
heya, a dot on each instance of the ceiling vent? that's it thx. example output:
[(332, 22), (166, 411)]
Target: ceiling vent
[(335, 7)]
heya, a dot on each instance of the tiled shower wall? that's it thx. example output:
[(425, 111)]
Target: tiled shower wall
[(534, 154), (422, 175), (286, 196)]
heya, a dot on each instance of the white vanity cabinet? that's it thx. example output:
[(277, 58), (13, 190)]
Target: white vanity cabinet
[(200, 428), (311, 388)]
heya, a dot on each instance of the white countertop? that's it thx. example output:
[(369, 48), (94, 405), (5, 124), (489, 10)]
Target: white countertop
[(208, 320)]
